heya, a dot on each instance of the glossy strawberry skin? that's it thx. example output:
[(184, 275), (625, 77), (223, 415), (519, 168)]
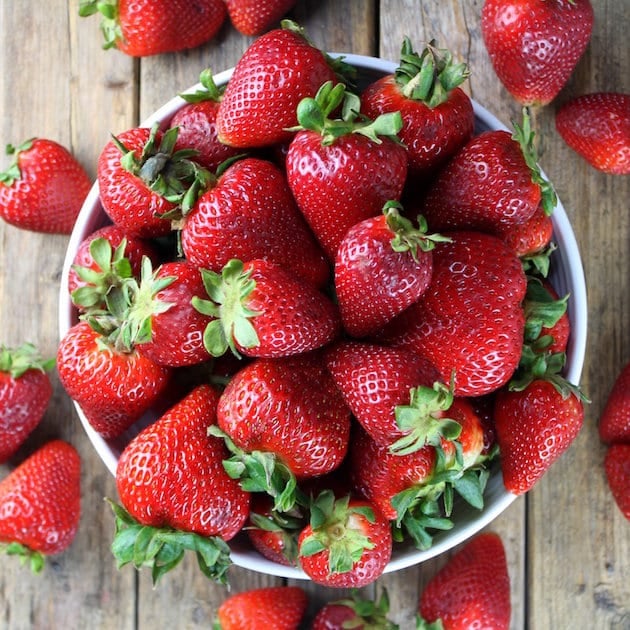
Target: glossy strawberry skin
[(617, 468), (171, 474), (473, 589), (529, 237), (114, 389), (275, 73), (597, 127), (534, 46), (49, 191), (337, 186), (251, 17), (534, 428), (614, 422), (40, 500)]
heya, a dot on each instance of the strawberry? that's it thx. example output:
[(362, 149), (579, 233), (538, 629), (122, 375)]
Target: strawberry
[(614, 422), (251, 17), (263, 310), (273, 75), (25, 392), (342, 171), (530, 238), (249, 213), (140, 28), (534, 45), (355, 612), (438, 117), (44, 187), (272, 607), (347, 543), (40, 503), (383, 264), (617, 468), (472, 590), (175, 493), (597, 127)]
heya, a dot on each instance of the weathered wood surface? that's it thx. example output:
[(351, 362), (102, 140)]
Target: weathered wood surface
[(568, 546)]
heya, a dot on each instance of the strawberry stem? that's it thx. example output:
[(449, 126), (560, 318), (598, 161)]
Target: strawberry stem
[(17, 361)]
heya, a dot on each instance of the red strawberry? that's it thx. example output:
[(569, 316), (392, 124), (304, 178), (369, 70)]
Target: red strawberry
[(263, 310), (471, 591), (25, 392), (438, 117), (175, 492), (531, 237), (44, 188), (597, 126), (343, 171), (249, 213), (383, 265), (614, 422), (40, 503), (535, 45), (617, 467), (271, 607), (275, 73), (145, 27), (251, 17), (355, 612), (347, 544)]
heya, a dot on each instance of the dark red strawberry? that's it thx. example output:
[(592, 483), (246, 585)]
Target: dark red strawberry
[(355, 612), (251, 17), (531, 237), (44, 187), (614, 422), (534, 46), (617, 467), (471, 591), (597, 127)]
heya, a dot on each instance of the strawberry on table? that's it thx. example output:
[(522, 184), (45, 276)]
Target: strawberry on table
[(614, 422), (40, 503), (44, 187), (534, 45), (355, 612), (252, 17), (617, 468), (597, 127)]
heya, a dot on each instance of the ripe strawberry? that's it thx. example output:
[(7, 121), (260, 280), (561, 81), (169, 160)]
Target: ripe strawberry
[(531, 237), (343, 171), (275, 73), (272, 607), (355, 612), (347, 543), (175, 492), (471, 591), (145, 27), (383, 265), (614, 422), (535, 45), (44, 187), (438, 117), (617, 467), (263, 310), (251, 17), (249, 213), (25, 392), (40, 503), (597, 127)]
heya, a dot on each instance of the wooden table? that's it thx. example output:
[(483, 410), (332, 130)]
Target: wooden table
[(568, 546)]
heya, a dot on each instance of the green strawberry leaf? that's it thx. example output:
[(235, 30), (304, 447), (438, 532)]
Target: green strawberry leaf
[(17, 361), (35, 559)]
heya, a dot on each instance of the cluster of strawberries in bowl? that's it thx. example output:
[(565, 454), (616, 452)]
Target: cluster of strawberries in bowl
[(329, 310)]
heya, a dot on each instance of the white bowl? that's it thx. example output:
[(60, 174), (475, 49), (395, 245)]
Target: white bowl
[(567, 277)]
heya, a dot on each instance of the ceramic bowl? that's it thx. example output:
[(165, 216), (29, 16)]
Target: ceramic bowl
[(567, 277)]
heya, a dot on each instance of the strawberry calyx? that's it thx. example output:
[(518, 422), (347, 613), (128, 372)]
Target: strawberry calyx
[(286, 525), (430, 76), (423, 624), (540, 262), (370, 614), (162, 549), (110, 27), (17, 361), (541, 311), (209, 90), (35, 559), (13, 173)]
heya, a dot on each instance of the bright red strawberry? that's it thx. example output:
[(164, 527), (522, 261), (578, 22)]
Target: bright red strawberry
[(25, 392), (614, 422), (251, 17), (471, 591), (343, 171), (347, 544), (534, 45), (145, 27), (40, 503), (383, 265), (270, 608), (617, 467), (355, 612), (44, 187), (263, 310), (597, 126), (249, 213), (438, 117), (531, 237), (275, 73)]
